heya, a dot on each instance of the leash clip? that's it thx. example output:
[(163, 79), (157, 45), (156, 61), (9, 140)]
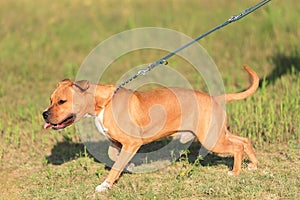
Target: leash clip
[(165, 62), (142, 72)]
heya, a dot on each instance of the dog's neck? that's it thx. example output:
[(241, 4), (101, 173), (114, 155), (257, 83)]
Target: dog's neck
[(101, 95)]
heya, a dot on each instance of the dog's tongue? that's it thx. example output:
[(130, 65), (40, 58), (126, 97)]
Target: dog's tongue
[(47, 125)]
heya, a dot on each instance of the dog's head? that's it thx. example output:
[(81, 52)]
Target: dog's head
[(68, 104)]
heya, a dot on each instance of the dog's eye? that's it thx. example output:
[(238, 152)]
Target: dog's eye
[(60, 102)]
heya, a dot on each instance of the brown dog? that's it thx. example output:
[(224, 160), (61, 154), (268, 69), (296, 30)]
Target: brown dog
[(131, 119)]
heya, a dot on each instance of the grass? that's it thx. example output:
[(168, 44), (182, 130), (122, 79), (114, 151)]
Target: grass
[(44, 42)]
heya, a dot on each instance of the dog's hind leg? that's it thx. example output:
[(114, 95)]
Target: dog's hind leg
[(249, 150), (226, 146)]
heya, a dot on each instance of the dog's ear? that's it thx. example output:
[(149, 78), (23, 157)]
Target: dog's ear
[(67, 82), (82, 85)]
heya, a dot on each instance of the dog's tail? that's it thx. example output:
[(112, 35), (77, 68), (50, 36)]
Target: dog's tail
[(244, 94)]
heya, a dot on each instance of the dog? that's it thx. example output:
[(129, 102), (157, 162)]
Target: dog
[(131, 119)]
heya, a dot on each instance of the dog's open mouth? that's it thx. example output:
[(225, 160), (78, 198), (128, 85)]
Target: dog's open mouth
[(66, 122)]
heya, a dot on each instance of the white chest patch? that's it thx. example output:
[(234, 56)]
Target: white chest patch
[(99, 123)]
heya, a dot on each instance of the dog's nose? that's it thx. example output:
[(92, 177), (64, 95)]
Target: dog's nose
[(46, 114)]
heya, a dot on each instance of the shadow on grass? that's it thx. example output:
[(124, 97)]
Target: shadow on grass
[(210, 159), (67, 151), (284, 63)]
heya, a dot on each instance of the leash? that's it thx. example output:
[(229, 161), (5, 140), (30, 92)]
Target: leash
[(164, 61)]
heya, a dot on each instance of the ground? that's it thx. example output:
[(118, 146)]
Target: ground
[(44, 42)]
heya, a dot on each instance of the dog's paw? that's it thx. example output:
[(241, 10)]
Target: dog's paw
[(252, 166), (184, 137), (130, 167), (233, 173), (103, 187)]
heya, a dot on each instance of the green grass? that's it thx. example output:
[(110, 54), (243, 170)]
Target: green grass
[(43, 42)]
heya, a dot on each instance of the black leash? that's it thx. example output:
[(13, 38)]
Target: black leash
[(163, 60)]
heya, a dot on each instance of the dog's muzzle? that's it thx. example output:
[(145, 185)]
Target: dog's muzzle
[(64, 123)]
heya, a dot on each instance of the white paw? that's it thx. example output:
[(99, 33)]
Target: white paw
[(186, 137), (233, 173), (103, 187), (252, 167), (130, 167), (230, 173)]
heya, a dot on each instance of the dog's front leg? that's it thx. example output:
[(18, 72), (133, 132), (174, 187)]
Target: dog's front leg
[(124, 157), (114, 150), (113, 153)]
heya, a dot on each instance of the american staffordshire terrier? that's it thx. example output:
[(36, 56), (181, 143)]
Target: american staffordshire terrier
[(131, 119)]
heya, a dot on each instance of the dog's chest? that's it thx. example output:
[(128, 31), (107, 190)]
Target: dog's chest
[(99, 123)]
